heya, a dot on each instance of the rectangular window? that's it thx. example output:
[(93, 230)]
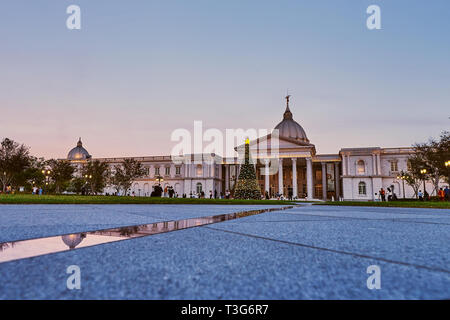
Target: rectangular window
[(157, 171), (362, 188), (147, 171), (167, 171), (394, 166), (177, 170)]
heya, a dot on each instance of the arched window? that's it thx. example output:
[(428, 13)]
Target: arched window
[(362, 188), (360, 167), (199, 188)]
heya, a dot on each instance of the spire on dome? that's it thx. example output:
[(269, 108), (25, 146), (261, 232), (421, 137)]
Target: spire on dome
[(287, 114), (79, 144)]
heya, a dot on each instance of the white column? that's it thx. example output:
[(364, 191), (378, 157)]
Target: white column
[(266, 177), (294, 178), (378, 164), (324, 181), (374, 165), (227, 177), (344, 165), (309, 178), (280, 176), (337, 180), (348, 165)]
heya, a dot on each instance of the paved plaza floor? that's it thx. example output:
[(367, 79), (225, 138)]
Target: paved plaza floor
[(309, 252)]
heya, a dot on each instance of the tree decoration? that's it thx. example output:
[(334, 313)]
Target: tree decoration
[(247, 186)]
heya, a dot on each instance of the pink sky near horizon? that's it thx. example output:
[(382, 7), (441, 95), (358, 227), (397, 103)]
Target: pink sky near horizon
[(129, 78)]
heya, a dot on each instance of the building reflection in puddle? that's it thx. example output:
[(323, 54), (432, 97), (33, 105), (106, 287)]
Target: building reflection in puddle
[(35, 247)]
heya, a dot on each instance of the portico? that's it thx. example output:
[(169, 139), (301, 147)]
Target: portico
[(287, 164), (300, 177)]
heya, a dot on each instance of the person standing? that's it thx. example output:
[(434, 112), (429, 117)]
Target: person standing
[(441, 194), (389, 192), (420, 195), (383, 194), (447, 193)]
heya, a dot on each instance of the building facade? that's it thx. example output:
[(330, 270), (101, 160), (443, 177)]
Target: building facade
[(295, 169)]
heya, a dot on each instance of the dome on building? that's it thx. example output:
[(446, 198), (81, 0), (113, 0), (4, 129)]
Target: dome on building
[(289, 128), (72, 240), (78, 153)]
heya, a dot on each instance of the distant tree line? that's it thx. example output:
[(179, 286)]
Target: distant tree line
[(20, 169)]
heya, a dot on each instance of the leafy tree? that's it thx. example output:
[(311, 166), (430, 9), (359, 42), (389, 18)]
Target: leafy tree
[(76, 185), (32, 175), (125, 173), (61, 172), (14, 159), (247, 186), (98, 175), (432, 156)]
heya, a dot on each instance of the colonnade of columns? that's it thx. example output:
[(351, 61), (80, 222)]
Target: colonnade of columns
[(309, 178)]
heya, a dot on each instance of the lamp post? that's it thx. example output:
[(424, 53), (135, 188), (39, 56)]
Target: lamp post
[(447, 165), (88, 178), (402, 177), (423, 172), (46, 173), (159, 179)]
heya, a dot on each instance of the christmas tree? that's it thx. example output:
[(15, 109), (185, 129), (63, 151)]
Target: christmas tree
[(247, 186)]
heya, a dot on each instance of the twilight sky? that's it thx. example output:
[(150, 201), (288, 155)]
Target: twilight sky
[(137, 70)]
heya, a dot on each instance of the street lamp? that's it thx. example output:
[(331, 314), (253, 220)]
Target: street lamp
[(159, 179), (46, 173), (88, 178), (447, 165), (403, 177), (423, 172)]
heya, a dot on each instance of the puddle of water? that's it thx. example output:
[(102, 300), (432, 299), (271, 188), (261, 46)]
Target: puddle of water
[(15, 250)]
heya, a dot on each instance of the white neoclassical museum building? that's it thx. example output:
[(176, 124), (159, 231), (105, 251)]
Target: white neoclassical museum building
[(351, 174)]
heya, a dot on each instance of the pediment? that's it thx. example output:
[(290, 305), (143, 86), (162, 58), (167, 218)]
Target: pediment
[(266, 143)]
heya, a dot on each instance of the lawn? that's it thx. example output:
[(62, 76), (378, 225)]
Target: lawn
[(398, 203), (76, 199)]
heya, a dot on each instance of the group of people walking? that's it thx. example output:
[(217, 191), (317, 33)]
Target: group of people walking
[(443, 194), (391, 196)]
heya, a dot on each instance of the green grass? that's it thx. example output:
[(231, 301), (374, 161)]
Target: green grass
[(398, 203), (75, 199)]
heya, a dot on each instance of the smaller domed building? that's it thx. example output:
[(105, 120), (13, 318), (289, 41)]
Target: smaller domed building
[(78, 153)]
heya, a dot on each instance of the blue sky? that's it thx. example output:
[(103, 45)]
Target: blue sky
[(137, 70)]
